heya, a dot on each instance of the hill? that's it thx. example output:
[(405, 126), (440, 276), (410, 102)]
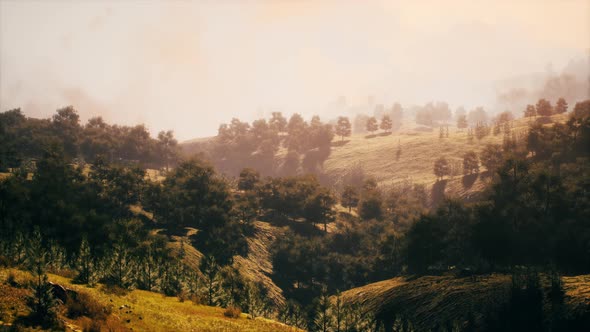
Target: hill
[(436, 300), (135, 310), (407, 155)]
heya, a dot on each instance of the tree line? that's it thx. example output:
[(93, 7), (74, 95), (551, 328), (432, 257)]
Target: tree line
[(25, 139)]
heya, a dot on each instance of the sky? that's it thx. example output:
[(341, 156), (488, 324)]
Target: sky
[(191, 65)]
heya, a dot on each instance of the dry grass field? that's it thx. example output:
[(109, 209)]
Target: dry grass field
[(135, 311)]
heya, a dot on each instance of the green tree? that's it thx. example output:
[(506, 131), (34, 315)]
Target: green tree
[(42, 302), (350, 197), (249, 179), (168, 146), (491, 157), (470, 163), (371, 205), (318, 207), (85, 264), (343, 127)]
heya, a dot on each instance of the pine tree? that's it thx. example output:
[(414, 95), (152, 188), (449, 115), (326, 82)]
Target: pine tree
[(210, 271), (323, 318), (85, 264), (42, 302), (121, 266), (57, 257)]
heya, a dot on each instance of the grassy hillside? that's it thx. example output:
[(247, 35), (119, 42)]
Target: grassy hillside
[(378, 156), (137, 310), (432, 300), (418, 147)]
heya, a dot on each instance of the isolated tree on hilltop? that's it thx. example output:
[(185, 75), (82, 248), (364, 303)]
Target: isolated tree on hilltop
[(544, 107), (441, 168), (343, 127), (372, 125), (561, 106), (386, 123)]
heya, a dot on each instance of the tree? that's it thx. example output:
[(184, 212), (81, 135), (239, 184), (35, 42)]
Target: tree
[(477, 115), (371, 205), (441, 168), (386, 123), (42, 302), (544, 107), (168, 146), (85, 264), (278, 122), (66, 123), (343, 127), (318, 207), (372, 125), (462, 122), (491, 157), (323, 318), (210, 271), (249, 179), (470, 163), (350, 197), (561, 106), (530, 111)]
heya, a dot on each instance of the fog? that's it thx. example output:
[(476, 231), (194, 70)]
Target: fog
[(191, 65)]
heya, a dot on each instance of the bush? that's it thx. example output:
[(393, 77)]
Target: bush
[(84, 305), (232, 312)]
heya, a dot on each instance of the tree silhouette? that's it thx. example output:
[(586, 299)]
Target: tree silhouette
[(372, 125), (343, 127), (386, 123), (441, 168)]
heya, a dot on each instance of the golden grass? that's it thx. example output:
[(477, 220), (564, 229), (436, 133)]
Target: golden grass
[(147, 311), (438, 298), (257, 266), (419, 150)]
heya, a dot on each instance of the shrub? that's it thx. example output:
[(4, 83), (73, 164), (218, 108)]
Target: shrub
[(232, 312)]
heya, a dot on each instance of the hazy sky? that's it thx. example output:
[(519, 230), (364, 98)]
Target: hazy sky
[(190, 65)]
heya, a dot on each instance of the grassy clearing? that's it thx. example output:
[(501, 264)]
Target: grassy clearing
[(140, 310)]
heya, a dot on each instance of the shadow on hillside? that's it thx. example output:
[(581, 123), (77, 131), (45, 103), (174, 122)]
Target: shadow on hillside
[(387, 133), (438, 192), (370, 136), (469, 180), (340, 143)]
